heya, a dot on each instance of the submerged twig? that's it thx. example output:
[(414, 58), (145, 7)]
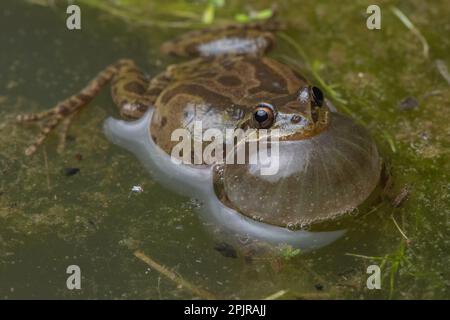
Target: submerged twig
[(301, 296), (442, 68), (372, 210), (47, 175), (399, 229), (405, 20), (174, 277), (363, 256), (276, 295), (390, 141)]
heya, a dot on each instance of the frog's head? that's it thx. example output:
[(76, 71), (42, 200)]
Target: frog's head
[(297, 116), (324, 166)]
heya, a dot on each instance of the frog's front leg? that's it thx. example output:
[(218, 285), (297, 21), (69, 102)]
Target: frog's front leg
[(236, 39), (130, 92)]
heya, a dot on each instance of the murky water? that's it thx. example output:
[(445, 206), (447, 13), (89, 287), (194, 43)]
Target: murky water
[(50, 220)]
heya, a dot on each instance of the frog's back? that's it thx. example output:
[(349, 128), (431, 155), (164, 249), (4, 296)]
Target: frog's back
[(218, 91)]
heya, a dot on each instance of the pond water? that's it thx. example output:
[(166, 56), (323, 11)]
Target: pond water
[(50, 220)]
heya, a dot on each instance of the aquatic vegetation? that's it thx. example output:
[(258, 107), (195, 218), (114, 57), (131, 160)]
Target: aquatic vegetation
[(89, 216)]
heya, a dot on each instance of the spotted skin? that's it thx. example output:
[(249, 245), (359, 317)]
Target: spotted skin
[(220, 88), (222, 92)]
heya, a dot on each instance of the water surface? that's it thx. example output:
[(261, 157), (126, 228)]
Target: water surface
[(50, 220)]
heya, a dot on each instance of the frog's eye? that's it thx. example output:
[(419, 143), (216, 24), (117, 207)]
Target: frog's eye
[(264, 116), (317, 97)]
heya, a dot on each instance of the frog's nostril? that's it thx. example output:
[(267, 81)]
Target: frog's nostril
[(317, 96), (296, 119)]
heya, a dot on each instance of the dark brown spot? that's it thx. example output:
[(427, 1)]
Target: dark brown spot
[(154, 92), (71, 171), (226, 250), (211, 97), (135, 87), (409, 103), (267, 78), (83, 97), (230, 81), (163, 121)]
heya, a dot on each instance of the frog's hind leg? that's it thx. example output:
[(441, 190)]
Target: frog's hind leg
[(236, 39), (129, 92)]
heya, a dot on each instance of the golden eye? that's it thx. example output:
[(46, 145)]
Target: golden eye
[(264, 116)]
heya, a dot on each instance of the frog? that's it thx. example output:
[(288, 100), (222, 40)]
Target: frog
[(231, 80), (329, 163)]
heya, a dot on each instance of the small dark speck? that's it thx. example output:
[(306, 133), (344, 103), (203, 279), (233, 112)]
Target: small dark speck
[(409, 103), (318, 286), (226, 250), (424, 136), (79, 156), (71, 171), (70, 138)]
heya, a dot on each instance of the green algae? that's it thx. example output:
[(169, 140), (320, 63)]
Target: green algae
[(49, 220)]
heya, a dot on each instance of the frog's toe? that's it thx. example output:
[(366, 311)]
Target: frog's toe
[(48, 127), (33, 117), (64, 130)]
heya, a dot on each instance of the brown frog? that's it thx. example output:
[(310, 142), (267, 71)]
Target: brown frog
[(230, 81), (329, 165)]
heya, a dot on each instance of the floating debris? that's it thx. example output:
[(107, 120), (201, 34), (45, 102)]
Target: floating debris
[(409, 103), (71, 171), (172, 276), (226, 250), (79, 156), (276, 295), (135, 189), (318, 286), (401, 197)]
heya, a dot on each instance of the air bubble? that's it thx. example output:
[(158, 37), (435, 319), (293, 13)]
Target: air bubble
[(291, 226)]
